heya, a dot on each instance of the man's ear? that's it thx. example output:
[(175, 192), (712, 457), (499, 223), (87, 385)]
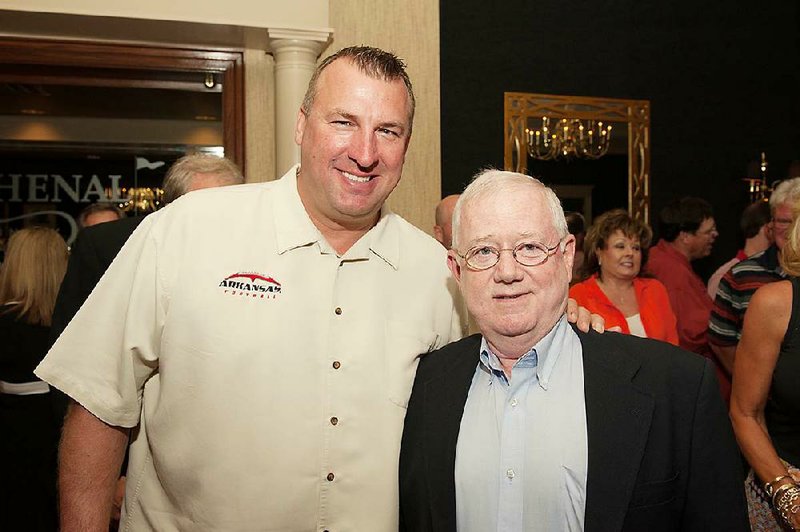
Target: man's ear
[(300, 127), (438, 234), (452, 263), (569, 254), (766, 231)]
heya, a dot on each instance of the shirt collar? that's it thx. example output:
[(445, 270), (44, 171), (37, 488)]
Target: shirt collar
[(543, 355), (670, 250), (294, 228)]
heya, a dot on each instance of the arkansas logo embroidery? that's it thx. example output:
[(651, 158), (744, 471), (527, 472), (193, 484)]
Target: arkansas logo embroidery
[(250, 284)]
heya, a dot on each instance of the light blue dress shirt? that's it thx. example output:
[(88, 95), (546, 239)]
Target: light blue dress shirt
[(521, 456)]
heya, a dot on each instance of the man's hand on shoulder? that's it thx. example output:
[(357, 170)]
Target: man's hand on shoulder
[(584, 319)]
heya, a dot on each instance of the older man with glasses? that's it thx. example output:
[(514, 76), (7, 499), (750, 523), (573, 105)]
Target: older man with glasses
[(532, 425)]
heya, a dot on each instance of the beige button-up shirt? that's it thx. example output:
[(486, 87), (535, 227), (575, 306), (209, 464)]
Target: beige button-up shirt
[(268, 377)]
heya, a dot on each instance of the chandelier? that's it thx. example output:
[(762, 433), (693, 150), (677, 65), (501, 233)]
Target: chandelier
[(568, 138), (141, 199)]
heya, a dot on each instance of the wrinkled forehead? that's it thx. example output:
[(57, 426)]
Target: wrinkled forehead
[(512, 212), (343, 77)]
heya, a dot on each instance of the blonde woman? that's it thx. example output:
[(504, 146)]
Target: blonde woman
[(35, 261), (765, 403)]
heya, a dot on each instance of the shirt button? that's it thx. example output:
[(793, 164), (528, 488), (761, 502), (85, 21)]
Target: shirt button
[(338, 311), (337, 364), (334, 420), (330, 477), (514, 402), (509, 473)]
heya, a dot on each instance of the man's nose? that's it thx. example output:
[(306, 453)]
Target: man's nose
[(507, 268), (364, 149)]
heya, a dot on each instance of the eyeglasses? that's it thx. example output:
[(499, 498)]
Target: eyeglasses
[(708, 232), (527, 253), (782, 222)]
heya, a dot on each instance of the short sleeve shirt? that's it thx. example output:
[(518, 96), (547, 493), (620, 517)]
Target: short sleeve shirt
[(734, 293), (268, 376)]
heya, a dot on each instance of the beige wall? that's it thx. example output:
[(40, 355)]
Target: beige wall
[(409, 28), (308, 14)]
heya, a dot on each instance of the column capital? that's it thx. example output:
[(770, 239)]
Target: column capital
[(298, 40)]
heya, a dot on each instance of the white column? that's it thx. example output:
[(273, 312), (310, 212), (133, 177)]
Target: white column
[(295, 53)]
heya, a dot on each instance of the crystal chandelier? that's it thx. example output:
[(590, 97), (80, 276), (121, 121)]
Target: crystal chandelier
[(568, 138), (141, 199)]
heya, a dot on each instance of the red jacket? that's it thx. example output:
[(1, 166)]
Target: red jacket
[(654, 308)]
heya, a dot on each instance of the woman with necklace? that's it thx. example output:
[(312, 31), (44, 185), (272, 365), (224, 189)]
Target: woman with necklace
[(615, 249)]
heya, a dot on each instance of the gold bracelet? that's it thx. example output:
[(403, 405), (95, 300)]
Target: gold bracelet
[(778, 495), (769, 486), (787, 503)]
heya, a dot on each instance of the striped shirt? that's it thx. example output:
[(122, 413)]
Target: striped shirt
[(734, 293)]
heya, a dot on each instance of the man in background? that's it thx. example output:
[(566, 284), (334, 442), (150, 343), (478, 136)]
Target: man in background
[(756, 229), (743, 279), (576, 225), (98, 213), (687, 231), (443, 230)]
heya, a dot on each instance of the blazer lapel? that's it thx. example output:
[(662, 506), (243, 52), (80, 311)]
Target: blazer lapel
[(444, 407), (618, 417)]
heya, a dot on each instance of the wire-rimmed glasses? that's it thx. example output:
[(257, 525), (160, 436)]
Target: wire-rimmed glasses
[(526, 253)]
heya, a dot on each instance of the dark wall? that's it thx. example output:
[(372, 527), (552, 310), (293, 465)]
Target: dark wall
[(723, 80)]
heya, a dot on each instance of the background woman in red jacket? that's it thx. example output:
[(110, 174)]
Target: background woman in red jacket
[(615, 249)]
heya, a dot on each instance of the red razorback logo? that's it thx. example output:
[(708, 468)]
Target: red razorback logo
[(252, 277), (250, 284)]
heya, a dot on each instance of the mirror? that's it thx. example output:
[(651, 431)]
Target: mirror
[(618, 178)]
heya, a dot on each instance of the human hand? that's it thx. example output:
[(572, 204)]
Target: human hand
[(119, 496), (583, 319)]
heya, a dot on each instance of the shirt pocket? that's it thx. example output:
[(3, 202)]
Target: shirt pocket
[(405, 342)]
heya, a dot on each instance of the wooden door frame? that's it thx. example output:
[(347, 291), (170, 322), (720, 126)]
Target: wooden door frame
[(81, 61)]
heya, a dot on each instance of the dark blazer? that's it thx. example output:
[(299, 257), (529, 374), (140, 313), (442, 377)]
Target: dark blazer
[(662, 455), (90, 257)]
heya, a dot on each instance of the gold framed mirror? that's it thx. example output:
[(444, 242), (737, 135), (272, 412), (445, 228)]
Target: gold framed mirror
[(524, 112)]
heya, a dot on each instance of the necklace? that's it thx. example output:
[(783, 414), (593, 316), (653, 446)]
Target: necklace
[(615, 295)]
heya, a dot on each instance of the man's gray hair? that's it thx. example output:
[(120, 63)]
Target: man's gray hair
[(179, 177), (493, 181), (787, 191), (373, 62)]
